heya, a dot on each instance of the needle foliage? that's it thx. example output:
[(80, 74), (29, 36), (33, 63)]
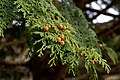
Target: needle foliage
[(45, 22)]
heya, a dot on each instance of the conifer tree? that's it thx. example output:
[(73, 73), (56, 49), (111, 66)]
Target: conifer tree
[(58, 30)]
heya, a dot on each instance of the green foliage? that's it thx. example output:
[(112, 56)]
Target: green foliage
[(44, 16), (87, 39), (7, 14), (45, 23), (112, 55)]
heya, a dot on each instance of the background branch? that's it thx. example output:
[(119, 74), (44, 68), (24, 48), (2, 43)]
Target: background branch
[(102, 12)]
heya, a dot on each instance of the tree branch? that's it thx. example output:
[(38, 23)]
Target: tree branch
[(103, 12), (109, 31), (12, 63), (13, 43)]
